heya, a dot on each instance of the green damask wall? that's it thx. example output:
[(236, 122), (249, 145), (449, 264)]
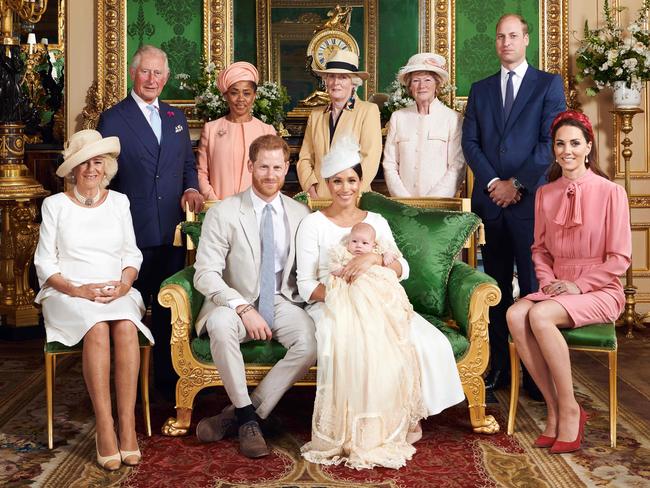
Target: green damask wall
[(398, 34), (176, 27), (245, 35), (475, 34)]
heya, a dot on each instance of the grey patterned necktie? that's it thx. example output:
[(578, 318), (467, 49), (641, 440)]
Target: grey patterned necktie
[(267, 271), (510, 96)]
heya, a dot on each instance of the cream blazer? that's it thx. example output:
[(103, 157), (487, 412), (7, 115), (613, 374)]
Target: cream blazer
[(423, 156), (229, 257), (362, 122)]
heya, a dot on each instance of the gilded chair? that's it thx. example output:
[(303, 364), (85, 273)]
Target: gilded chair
[(455, 298), (592, 338), (55, 349)]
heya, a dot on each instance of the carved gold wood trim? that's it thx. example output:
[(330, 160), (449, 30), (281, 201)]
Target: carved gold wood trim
[(553, 41), (639, 201), (265, 35), (111, 75), (645, 228), (639, 151), (425, 39)]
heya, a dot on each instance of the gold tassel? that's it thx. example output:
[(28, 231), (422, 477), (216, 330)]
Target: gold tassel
[(178, 241), (481, 235)]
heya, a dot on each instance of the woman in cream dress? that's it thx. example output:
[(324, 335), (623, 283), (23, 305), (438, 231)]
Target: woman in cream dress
[(340, 435), (422, 155), (87, 261)]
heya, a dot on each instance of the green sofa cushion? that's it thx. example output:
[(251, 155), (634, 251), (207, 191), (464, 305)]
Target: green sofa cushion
[(596, 335), (463, 280), (254, 352), (55, 347), (459, 343), (429, 239)]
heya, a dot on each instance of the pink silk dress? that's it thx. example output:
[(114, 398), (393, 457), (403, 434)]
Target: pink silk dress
[(582, 234), (222, 156)]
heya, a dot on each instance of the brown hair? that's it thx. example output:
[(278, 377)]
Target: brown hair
[(268, 142), (591, 161), (524, 25)]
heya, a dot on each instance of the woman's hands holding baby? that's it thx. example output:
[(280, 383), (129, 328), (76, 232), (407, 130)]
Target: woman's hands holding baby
[(359, 265)]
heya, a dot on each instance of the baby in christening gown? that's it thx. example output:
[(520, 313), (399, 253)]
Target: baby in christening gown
[(368, 394)]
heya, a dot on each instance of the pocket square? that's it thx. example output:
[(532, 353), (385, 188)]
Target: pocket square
[(178, 128)]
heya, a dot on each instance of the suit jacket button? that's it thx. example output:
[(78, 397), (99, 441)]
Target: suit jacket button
[(159, 198), (503, 150)]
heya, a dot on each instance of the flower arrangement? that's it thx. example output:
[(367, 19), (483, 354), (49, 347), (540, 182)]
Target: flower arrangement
[(610, 54), (269, 104), (399, 97)]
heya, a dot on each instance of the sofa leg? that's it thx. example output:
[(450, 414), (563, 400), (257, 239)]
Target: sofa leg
[(178, 427), (474, 388)]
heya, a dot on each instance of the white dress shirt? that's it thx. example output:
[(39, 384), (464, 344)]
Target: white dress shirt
[(517, 78), (280, 237), (142, 105)]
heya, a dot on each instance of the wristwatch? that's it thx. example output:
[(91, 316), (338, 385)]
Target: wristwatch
[(517, 184)]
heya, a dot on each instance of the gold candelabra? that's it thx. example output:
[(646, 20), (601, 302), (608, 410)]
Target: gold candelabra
[(19, 192), (630, 318)]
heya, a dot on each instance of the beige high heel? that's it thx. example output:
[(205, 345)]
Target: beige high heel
[(129, 454), (109, 463)]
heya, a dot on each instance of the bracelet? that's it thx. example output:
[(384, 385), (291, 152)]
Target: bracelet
[(247, 308)]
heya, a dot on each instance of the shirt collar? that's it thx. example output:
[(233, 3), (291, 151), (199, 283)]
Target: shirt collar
[(348, 106), (141, 103), (520, 70), (259, 204)]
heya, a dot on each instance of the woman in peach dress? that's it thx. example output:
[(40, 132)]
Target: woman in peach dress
[(582, 245), (223, 148)]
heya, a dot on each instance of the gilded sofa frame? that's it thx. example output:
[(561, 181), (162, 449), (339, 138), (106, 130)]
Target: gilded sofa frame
[(195, 375)]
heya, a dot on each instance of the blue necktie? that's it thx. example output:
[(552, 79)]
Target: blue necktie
[(510, 96), (267, 271), (154, 120)]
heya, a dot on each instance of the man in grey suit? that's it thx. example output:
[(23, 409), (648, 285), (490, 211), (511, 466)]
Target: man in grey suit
[(245, 267)]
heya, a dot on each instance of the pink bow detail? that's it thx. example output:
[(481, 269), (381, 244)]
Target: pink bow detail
[(570, 212), (433, 62)]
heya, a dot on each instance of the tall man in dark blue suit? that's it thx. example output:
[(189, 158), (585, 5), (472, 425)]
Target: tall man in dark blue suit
[(157, 171), (506, 141)]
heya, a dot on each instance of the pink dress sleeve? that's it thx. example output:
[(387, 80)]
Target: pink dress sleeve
[(618, 246), (542, 257)]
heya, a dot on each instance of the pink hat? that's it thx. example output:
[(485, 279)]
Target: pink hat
[(239, 71)]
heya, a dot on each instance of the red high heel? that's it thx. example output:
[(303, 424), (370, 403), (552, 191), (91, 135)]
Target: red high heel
[(560, 447), (544, 441)]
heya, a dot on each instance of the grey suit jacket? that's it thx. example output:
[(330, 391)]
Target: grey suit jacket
[(229, 256)]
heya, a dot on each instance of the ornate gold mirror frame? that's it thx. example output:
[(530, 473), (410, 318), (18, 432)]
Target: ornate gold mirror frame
[(110, 82)]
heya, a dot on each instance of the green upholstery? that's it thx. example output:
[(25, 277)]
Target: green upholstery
[(254, 352), (602, 336), (459, 343), (57, 347), (185, 279), (463, 280), (432, 238)]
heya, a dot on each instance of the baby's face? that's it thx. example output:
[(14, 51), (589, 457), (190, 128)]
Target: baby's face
[(361, 242)]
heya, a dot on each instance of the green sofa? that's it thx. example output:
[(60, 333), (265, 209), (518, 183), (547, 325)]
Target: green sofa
[(452, 295)]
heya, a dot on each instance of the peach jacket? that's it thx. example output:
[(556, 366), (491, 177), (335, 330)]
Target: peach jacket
[(423, 155), (362, 122), (222, 156)]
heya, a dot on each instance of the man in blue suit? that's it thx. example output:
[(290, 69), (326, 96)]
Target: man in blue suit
[(507, 144), (157, 171)]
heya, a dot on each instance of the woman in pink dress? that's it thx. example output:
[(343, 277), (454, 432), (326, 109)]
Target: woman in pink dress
[(222, 156), (582, 245)]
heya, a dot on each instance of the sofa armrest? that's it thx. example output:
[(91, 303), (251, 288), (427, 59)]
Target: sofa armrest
[(184, 280), (464, 281)]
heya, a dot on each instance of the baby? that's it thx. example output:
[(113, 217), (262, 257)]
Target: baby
[(362, 239)]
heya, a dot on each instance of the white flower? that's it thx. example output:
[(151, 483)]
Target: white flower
[(630, 63), (210, 67), (604, 66)]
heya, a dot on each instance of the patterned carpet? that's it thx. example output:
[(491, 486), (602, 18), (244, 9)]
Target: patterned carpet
[(448, 456)]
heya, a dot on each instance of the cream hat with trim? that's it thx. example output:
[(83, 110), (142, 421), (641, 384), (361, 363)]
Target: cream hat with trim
[(343, 61), (424, 62), (84, 145), (343, 154)]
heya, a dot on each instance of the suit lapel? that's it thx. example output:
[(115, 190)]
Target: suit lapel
[(293, 220), (496, 101), (249, 225), (166, 130), (140, 126), (525, 91), (325, 130)]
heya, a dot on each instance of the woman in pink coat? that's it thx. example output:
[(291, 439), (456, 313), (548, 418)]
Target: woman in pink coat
[(582, 245), (223, 148)]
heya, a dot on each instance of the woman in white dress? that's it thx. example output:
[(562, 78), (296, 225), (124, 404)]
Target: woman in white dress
[(86, 261), (439, 380)]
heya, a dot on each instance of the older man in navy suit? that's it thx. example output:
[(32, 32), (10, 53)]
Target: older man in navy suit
[(157, 171), (506, 142)]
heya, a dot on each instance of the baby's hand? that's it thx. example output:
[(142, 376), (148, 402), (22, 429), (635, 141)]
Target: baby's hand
[(388, 258), (337, 272)]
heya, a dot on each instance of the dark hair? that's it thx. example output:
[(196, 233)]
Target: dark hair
[(268, 142), (555, 170), (524, 25)]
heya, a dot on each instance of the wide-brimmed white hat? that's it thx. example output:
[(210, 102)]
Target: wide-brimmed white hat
[(84, 145), (343, 61), (343, 154), (424, 62)]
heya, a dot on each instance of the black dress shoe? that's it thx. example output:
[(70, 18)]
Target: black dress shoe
[(497, 379)]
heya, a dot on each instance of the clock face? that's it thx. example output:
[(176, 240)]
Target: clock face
[(325, 43)]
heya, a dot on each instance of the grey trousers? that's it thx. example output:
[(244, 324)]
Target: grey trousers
[(293, 328)]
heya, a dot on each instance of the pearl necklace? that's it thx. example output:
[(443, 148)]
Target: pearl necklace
[(87, 201)]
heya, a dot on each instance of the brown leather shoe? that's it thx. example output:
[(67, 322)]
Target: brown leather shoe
[(212, 429), (251, 440)]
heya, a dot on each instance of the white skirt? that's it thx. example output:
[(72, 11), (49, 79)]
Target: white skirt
[(68, 319)]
